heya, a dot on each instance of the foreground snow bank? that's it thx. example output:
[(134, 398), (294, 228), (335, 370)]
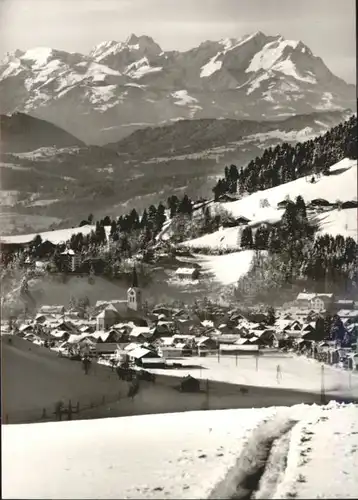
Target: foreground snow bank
[(322, 461), (154, 456), (308, 451)]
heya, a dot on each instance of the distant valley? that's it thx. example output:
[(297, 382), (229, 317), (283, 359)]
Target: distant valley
[(52, 179)]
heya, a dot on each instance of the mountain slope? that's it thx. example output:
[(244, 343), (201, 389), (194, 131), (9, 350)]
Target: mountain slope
[(71, 182), (213, 136), (21, 133), (96, 96)]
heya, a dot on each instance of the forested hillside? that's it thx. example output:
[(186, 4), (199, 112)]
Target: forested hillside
[(286, 163), (297, 258)]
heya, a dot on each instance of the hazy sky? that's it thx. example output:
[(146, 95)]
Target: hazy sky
[(326, 26)]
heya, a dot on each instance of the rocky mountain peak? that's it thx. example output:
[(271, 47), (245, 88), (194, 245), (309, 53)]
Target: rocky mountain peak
[(97, 95)]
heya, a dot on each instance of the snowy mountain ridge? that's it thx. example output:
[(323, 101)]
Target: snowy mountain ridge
[(95, 96)]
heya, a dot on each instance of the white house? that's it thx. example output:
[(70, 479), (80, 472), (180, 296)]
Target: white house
[(317, 302)]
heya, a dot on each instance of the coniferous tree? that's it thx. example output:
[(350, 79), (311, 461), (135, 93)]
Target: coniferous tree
[(173, 203), (246, 238), (113, 228), (261, 238), (133, 220), (301, 208), (152, 213), (160, 217)]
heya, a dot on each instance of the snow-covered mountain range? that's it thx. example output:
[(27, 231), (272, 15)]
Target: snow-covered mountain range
[(122, 86)]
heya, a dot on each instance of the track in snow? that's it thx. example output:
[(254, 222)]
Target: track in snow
[(261, 464)]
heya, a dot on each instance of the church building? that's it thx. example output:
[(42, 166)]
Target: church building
[(117, 311)]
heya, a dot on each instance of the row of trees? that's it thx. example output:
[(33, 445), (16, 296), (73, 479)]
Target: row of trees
[(286, 162)]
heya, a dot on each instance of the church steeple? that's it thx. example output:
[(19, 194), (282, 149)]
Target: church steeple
[(134, 294), (134, 278)]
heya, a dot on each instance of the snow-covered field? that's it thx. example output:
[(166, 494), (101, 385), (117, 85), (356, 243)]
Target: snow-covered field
[(224, 369), (226, 239), (342, 185), (55, 237), (185, 455), (344, 222), (226, 269), (229, 268)]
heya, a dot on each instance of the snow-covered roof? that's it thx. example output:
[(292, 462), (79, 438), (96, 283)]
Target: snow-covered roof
[(101, 303), (51, 309), (347, 313), (68, 251), (74, 338), (99, 335), (311, 296), (131, 346), (201, 340), (207, 323), (166, 341), (107, 313), (139, 352), (185, 271), (184, 337), (24, 327), (58, 333)]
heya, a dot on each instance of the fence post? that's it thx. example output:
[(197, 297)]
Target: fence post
[(69, 414), (78, 407), (7, 418), (44, 413)]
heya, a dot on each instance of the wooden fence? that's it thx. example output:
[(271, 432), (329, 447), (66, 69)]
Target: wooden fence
[(58, 411)]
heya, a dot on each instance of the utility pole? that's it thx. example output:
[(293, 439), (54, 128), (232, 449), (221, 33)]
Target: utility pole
[(323, 397)]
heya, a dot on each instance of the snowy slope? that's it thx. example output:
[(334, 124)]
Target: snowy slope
[(154, 456), (185, 455), (227, 269), (225, 239), (342, 185), (323, 455), (56, 237), (344, 222)]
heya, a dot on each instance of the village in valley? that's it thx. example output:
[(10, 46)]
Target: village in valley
[(238, 289), (127, 333), (178, 249)]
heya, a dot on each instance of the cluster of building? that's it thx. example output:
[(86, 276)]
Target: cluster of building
[(123, 329)]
